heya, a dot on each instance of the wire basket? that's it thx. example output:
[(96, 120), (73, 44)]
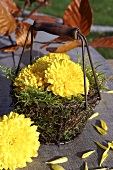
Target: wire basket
[(59, 123)]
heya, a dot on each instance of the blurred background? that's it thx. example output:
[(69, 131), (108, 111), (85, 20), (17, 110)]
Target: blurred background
[(102, 16)]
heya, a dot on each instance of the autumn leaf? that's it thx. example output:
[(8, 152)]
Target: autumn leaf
[(30, 2), (7, 21), (59, 39), (21, 33), (43, 18), (78, 14), (47, 3), (104, 42), (12, 7), (10, 48), (59, 160), (64, 48)]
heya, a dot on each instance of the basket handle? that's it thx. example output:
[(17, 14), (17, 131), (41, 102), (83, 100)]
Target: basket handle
[(62, 30)]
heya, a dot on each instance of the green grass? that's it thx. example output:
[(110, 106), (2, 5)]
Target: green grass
[(102, 15), (102, 10)]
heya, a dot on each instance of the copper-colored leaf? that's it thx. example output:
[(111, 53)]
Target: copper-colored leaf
[(47, 3), (10, 48), (78, 14), (7, 21), (62, 39), (64, 48), (106, 42), (11, 6), (43, 18), (57, 40), (21, 33), (30, 2)]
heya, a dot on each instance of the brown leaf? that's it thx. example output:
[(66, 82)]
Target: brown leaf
[(43, 18), (78, 14), (21, 33), (64, 48), (7, 21), (57, 40), (10, 48), (106, 42), (47, 3), (11, 6), (30, 2)]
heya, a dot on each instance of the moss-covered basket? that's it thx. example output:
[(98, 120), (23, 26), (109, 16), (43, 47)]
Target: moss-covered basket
[(57, 123), (59, 119)]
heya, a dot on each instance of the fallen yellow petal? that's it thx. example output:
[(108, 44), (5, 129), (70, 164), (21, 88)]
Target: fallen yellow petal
[(59, 160), (111, 144), (102, 169), (87, 153), (109, 92), (57, 167), (100, 130), (103, 124), (104, 156), (102, 146), (94, 115), (86, 166)]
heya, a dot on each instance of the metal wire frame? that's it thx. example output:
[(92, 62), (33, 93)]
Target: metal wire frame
[(76, 34)]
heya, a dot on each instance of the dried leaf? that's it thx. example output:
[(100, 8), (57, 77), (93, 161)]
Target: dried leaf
[(100, 130), (7, 21), (21, 33), (94, 115), (57, 167), (104, 42), (57, 40), (43, 18), (102, 146), (86, 166), (103, 124), (12, 7), (10, 48), (47, 3), (29, 2), (59, 160), (87, 153), (78, 14), (64, 48)]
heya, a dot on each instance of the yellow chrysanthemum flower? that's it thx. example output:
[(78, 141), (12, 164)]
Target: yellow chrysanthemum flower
[(18, 141), (29, 76), (56, 72), (65, 78)]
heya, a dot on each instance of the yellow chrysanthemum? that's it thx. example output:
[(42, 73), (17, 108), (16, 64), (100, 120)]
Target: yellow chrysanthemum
[(65, 78), (18, 141), (33, 75), (29, 76), (56, 72)]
